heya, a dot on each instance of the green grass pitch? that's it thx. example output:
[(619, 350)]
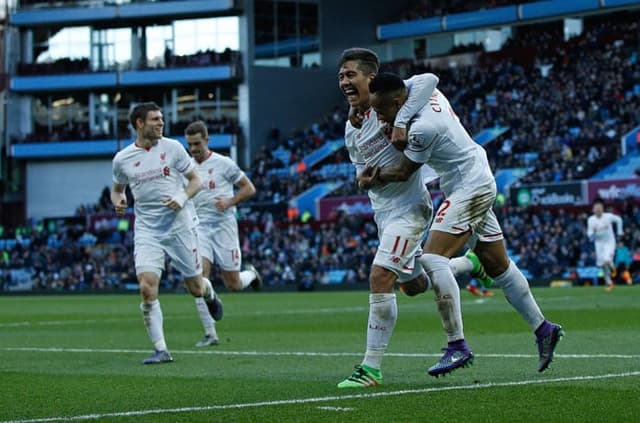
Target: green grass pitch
[(78, 358)]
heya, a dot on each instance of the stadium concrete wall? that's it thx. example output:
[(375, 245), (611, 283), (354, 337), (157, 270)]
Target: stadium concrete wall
[(57, 188)]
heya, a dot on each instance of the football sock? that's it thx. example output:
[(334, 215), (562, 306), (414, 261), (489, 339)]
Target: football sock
[(460, 266), (606, 271), (516, 290), (208, 323), (246, 277), (383, 313), (447, 294), (152, 314), (208, 291)]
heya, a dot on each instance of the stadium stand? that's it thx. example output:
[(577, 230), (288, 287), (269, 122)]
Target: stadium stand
[(552, 111)]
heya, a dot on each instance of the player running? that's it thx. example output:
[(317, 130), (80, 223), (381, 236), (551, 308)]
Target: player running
[(154, 167), (402, 211), (438, 139), (600, 232), (215, 206)]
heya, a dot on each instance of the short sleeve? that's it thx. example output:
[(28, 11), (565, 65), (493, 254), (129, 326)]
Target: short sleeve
[(119, 177)]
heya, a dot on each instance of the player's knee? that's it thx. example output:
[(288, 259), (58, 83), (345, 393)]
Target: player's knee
[(195, 285), (415, 286), (148, 292), (434, 263), (381, 280)]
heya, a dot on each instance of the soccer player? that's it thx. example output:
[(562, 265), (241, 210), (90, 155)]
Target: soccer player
[(402, 211), (438, 139), (215, 206), (600, 232), (153, 167)]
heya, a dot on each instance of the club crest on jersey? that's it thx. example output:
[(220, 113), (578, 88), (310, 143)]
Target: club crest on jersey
[(166, 171), (414, 139)]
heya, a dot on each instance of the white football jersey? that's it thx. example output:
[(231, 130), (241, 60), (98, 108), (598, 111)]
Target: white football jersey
[(153, 175), (219, 175), (370, 146), (600, 229), (437, 138)]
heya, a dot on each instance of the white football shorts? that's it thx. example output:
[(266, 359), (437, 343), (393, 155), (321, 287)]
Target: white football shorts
[(181, 246), (220, 244), (401, 233), (604, 252), (462, 211)]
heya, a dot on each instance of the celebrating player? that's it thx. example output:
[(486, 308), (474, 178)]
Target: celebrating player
[(600, 232), (438, 139), (402, 211), (215, 206), (153, 167)]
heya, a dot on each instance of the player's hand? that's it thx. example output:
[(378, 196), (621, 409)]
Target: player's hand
[(223, 204), (355, 117), (369, 177), (121, 207), (399, 138), (176, 202)]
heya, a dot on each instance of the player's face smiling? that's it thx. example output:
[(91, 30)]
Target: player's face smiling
[(153, 124), (354, 84)]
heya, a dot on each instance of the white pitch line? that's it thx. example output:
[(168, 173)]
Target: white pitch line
[(295, 353), (330, 408), (192, 409)]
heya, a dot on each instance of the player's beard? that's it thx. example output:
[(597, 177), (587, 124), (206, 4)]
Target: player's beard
[(151, 135)]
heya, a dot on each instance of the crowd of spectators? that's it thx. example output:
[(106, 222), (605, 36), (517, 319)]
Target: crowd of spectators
[(566, 106), (547, 243), (553, 243), (566, 103), (562, 127), (280, 153)]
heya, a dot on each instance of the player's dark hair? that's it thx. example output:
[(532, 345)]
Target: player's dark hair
[(368, 61), (598, 201), (140, 112), (385, 83), (197, 127)]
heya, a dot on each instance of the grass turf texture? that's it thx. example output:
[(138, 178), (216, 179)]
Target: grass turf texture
[(282, 354)]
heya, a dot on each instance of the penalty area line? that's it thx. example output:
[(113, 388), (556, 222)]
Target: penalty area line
[(135, 413)]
